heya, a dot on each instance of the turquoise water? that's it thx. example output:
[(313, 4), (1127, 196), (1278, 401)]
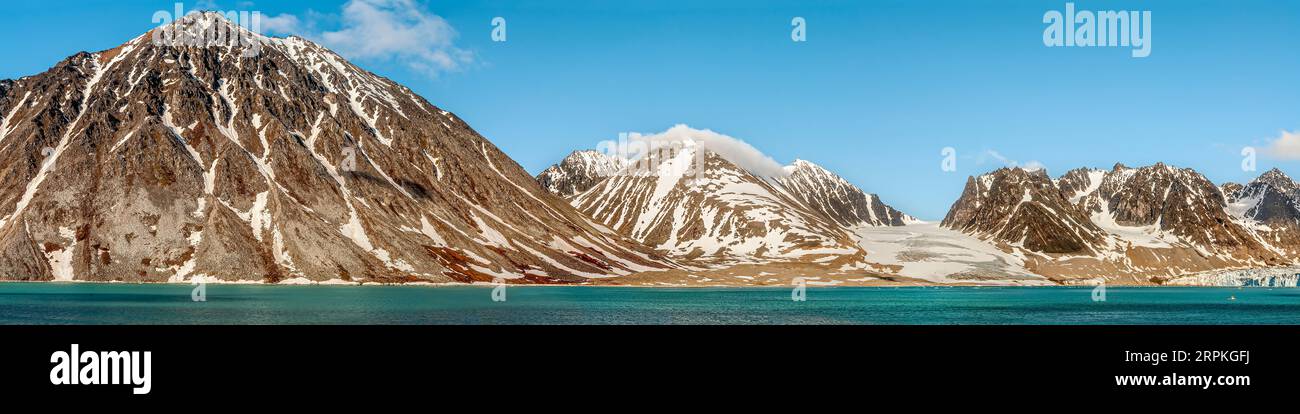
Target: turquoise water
[(51, 303)]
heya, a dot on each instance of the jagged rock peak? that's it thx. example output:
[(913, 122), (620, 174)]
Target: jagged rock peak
[(579, 171), (837, 199), (1277, 178), (1272, 198), (1025, 209), (1156, 220)]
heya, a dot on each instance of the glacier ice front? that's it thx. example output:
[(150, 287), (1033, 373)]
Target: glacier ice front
[(1280, 277)]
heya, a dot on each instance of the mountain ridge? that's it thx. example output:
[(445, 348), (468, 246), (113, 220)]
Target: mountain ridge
[(173, 162), (717, 210), (1133, 225)]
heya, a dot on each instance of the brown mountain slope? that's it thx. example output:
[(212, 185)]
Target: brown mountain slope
[(152, 162), (1128, 225)]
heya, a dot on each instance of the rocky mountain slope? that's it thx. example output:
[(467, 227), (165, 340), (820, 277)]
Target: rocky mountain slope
[(1023, 209), (1138, 225), (162, 162), (696, 204), (834, 197), (580, 171), (1269, 206)]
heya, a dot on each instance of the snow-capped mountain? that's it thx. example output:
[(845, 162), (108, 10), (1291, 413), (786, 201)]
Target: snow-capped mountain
[(579, 171), (163, 162), (1170, 205), (1128, 224), (1270, 207), (695, 204), (837, 199)]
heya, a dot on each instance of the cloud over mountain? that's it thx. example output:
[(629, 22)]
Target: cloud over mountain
[(382, 30), (733, 149), (1286, 146)]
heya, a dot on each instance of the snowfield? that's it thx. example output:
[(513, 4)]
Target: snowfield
[(928, 252)]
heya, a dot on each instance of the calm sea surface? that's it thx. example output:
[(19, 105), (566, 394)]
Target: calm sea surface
[(87, 303)]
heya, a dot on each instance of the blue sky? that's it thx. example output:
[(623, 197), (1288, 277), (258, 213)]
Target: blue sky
[(874, 94)]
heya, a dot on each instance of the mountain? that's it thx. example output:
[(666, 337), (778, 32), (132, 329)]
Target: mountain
[(1138, 225), (1171, 204), (1270, 207), (837, 199), (580, 171), (1023, 209), (271, 160), (696, 204)]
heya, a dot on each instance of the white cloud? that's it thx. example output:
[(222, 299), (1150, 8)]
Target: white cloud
[(209, 5), (281, 24), (732, 149), (1286, 146), (1033, 166), (384, 30), (991, 155), (399, 30)]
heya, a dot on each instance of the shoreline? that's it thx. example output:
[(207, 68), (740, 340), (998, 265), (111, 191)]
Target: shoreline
[(1281, 277), (738, 287)]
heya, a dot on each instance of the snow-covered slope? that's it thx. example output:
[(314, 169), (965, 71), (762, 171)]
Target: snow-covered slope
[(1144, 224), (695, 204), (925, 251), (699, 195), (271, 160)]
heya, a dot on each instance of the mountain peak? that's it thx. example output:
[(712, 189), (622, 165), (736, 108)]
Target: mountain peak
[(214, 29), (579, 171), (805, 165), (209, 19), (1271, 181), (1274, 175), (288, 164), (802, 163), (1024, 208), (835, 198)]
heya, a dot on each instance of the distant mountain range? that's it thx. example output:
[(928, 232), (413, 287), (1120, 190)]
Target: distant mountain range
[(1131, 225), (165, 163), (1149, 225)]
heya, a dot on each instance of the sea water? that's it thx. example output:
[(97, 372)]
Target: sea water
[(98, 303)]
